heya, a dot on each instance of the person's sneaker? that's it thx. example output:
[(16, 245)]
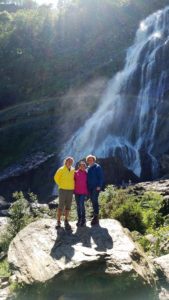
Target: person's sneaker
[(67, 225), (95, 221), (58, 225)]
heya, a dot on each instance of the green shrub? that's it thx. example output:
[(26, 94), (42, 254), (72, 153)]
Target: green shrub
[(152, 219), (111, 199), (19, 213), (20, 216), (5, 240), (136, 212), (151, 202), (161, 246), (145, 243), (4, 268), (158, 244), (130, 216)]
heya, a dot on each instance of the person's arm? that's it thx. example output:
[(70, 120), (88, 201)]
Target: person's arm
[(99, 178), (58, 176), (75, 180)]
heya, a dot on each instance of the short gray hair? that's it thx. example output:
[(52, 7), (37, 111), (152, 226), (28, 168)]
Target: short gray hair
[(67, 158)]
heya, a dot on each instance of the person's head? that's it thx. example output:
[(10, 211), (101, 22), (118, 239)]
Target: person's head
[(82, 165), (90, 159), (68, 162)]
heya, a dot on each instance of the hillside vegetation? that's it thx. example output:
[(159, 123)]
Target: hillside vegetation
[(45, 53)]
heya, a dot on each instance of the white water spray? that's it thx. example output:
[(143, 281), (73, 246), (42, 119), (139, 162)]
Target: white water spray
[(126, 120)]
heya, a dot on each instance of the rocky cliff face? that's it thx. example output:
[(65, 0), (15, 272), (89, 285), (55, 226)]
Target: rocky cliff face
[(32, 135)]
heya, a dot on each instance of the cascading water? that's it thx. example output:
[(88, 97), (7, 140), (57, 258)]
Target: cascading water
[(127, 119)]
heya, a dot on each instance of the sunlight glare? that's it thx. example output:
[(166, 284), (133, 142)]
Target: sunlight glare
[(157, 35), (143, 26)]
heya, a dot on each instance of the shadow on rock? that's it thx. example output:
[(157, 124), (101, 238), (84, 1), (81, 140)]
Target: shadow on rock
[(63, 245), (95, 235), (95, 238)]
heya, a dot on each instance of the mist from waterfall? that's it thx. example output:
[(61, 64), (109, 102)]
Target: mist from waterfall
[(125, 122)]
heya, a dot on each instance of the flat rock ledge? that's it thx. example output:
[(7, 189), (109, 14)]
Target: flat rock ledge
[(40, 251)]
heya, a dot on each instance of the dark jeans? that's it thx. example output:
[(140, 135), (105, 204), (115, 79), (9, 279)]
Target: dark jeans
[(80, 199), (94, 195)]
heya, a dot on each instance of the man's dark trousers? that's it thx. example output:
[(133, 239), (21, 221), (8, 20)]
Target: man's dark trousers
[(94, 195)]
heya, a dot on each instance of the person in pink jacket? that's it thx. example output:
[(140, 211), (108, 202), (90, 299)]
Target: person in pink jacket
[(81, 192)]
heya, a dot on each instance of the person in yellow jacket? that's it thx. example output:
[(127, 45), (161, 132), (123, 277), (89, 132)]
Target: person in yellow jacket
[(64, 178)]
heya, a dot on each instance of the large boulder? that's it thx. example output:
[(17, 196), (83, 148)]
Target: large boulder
[(162, 264), (39, 251)]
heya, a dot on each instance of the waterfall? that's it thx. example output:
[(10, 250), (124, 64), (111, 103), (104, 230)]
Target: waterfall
[(126, 121)]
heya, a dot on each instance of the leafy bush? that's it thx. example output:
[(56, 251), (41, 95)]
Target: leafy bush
[(122, 206), (152, 219), (130, 215), (111, 199), (20, 216), (136, 212), (158, 244), (19, 213), (4, 268), (146, 244), (151, 202)]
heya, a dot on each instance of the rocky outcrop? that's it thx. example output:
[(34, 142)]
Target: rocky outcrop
[(115, 172), (34, 174), (159, 186), (39, 251), (162, 266), (28, 164), (162, 263), (4, 293)]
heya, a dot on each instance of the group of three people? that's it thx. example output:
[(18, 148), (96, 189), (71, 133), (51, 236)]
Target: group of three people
[(84, 182)]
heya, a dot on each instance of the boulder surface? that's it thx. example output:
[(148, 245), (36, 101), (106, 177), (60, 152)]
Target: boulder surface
[(40, 251), (162, 263)]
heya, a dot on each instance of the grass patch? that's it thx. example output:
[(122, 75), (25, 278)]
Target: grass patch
[(4, 268)]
